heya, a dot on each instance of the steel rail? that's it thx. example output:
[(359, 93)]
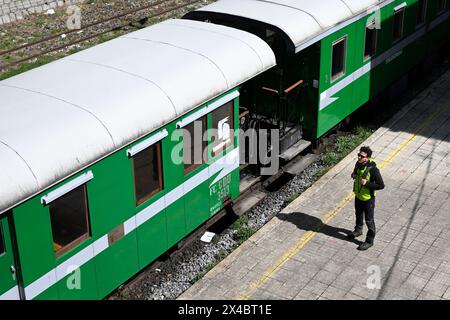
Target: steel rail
[(89, 37)]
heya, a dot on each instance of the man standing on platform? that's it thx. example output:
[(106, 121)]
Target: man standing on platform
[(367, 179)]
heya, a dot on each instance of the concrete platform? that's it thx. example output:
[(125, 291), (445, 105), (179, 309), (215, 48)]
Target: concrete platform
[(303, 253)]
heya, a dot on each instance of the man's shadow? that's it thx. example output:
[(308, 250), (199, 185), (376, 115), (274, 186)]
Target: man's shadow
[(306, 222)]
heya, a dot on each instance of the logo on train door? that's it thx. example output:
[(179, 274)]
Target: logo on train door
[(224, 130)]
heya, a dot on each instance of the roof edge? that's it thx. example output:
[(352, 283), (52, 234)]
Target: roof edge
[(118, 148), (202, 15)]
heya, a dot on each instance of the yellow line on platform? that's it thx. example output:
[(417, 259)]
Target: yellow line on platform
[(386, 161), (310, 234)]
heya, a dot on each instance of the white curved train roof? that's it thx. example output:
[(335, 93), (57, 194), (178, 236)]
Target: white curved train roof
[(300, 20), (59, 118)]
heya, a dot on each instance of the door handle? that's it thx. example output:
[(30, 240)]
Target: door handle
[(13, 272)]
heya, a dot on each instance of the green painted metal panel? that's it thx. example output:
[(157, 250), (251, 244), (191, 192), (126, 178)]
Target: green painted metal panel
[(234, 187), (116, 264), (176, 222), (173, 174), (362, 86), (401, 61), (236, 122), (333, 114), (49, 294), (152, 234), (34, 240), (360, 90), (111, 193), (196, 204), (81, 284), (219, 192), (8, 280), (152, 237)]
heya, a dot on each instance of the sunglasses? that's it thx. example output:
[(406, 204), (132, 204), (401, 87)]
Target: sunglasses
[(361, 155)]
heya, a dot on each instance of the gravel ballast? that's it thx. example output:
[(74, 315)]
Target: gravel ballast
[(182, 269)]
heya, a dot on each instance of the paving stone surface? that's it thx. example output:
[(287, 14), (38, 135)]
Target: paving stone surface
[(410, 258)]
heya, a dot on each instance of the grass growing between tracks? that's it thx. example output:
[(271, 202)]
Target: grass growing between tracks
[(342, 147), (242, 231), (26, 66), (29, 65)]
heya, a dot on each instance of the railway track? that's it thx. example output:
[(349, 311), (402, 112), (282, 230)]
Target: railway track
[(253, 191), (137, 17)]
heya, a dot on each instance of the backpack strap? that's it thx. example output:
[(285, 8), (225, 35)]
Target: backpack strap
[(355, 169), (364, 176), (366, 172)]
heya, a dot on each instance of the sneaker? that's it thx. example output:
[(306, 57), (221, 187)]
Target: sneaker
[(354, 234), (365, 246)]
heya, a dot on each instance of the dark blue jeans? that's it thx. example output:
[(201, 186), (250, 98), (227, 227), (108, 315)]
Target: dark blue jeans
[(365, 209)]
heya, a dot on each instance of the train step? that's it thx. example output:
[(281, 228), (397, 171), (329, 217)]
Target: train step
[(248, 201), (295, 150), (296, 166), (247, 182)]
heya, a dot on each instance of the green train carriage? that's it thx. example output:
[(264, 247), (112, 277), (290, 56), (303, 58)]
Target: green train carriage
[(333, 56), (134, 93), (93, 155)]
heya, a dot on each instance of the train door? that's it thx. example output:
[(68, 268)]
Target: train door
[(9, 289)]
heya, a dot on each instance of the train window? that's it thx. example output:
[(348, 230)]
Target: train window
[(370, 48), (194, 144), (442, 4), (69, 220), (2, 243), (338, 62), (399, 17), (147, 173), (222, 125), (422, 11)]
